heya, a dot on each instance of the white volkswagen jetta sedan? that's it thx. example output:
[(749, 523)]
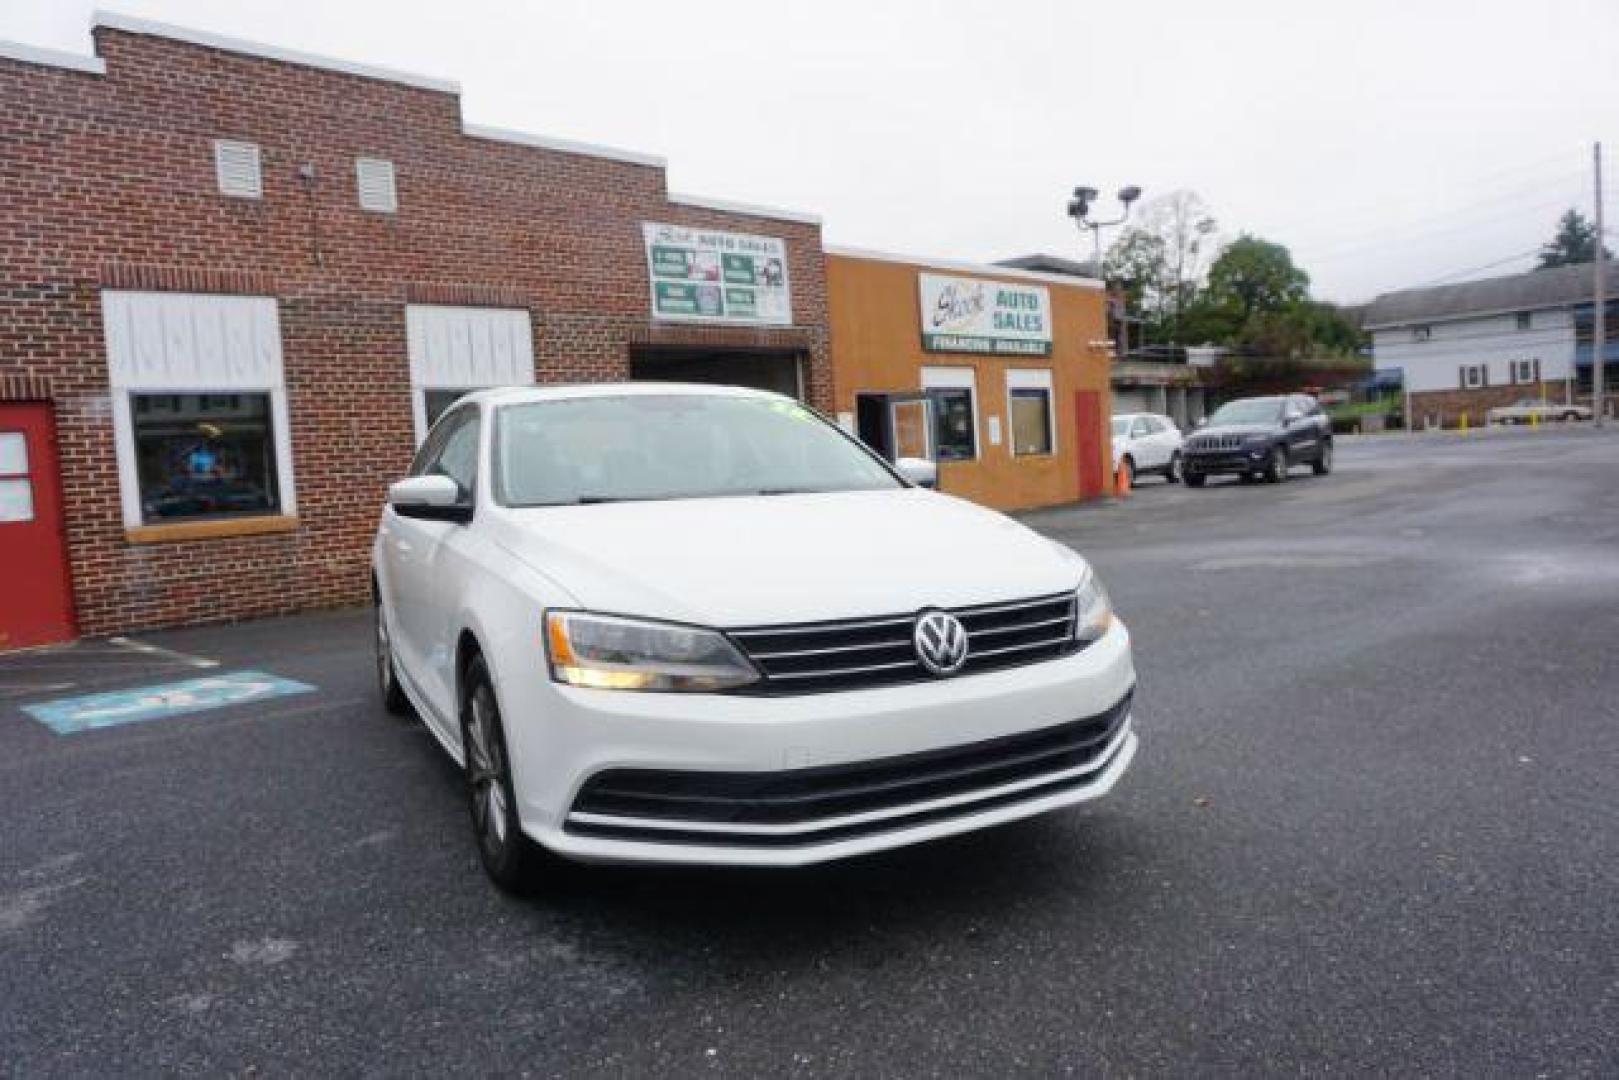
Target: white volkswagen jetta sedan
[(694, 624)]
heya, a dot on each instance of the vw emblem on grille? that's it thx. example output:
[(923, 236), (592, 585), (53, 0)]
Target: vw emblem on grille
[(941, 642)]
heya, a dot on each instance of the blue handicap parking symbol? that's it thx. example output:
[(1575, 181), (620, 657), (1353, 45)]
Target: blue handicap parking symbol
[(67, 716)]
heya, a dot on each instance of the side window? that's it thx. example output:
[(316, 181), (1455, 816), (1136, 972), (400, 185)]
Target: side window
[(452, 450), (1141, 427)]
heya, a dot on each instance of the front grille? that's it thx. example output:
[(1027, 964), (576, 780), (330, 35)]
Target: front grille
[(812, 806), (811, 658), (1205, 444)]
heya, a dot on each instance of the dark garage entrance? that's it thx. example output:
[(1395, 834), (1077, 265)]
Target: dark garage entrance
[(762, 369)]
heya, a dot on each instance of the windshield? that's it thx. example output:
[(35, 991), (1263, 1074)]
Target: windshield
[(672, 446), (1264, 410), (1121, 426)]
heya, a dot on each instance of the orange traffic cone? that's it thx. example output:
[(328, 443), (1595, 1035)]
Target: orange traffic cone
[(1121, 480)]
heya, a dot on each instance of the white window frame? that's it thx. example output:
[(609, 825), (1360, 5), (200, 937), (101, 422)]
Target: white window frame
[(1474, 379), (1523, 372), (163, 343), (1031, 379), (465, 348), (957, 378)]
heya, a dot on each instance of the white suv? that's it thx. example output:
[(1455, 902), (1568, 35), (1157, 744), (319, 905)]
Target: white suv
[(684, 624), (1147, 443)]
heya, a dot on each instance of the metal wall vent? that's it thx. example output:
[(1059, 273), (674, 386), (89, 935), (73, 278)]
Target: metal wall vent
[(375, 179), (237, 166)]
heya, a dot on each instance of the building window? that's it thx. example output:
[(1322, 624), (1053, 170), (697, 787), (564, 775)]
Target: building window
[(1523, 320), (204, 456), (236, 166), (375, 179), (955, 412), (1523, 371), (1421, 333), (455, 350), (436, 400), (1028, 407), (16, 488), (1473, 376)]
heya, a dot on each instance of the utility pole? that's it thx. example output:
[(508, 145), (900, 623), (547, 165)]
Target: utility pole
[(1599, 321)]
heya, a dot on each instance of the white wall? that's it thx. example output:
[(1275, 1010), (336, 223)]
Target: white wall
[(1493, 340)]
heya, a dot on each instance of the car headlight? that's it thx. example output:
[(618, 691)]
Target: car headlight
[(606, 652), (1093, 609)]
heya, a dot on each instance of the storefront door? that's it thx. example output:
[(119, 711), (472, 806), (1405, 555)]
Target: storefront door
[(896, 425), (36, 606), (1088, 442)]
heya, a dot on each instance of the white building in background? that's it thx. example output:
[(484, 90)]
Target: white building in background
[(1465, 348)]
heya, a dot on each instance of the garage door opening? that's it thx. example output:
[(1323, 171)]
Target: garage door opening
[(780, 370)]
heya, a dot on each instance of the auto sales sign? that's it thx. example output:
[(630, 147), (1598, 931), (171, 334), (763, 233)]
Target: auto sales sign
[(974, 315)]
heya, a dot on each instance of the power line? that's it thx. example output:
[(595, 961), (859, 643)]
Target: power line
[(1438, 224), (1377, 210), (1553, 191), (1444, 278)]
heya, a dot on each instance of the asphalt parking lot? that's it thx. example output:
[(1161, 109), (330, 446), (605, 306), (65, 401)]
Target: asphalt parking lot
[(1373, 827)]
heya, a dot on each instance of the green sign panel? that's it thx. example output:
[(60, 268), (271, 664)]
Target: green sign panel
[(701, 275)]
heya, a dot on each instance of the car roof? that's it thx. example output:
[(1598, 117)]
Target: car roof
[(510, 395)]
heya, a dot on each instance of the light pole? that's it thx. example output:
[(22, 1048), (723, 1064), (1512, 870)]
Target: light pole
[(1079, 208)]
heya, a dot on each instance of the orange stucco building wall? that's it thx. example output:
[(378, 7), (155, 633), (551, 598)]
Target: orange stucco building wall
[(875, 318)]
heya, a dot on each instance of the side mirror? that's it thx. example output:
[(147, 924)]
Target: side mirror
[(1202, 421), (434, 498), (1291, 417), (919, 471)]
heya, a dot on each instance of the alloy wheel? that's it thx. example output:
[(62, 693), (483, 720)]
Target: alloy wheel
[(486, 769), (384, 651)]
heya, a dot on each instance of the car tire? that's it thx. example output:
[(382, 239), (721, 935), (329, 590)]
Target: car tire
[(1194, 479), (509, 857), (1322, 465), (1172, 471), (1570, 417), (388, 688), (1276, 466)]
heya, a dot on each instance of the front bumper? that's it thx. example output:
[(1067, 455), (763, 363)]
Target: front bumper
[(594, 734), (1225, 461)]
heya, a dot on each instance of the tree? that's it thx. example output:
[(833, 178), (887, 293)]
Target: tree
[(1159, 260), (1254, 276), (1574, 242), (1136, 264), (1182, 221), (1258, 302)]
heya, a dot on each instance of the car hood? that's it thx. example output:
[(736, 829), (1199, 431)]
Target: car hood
[(750, 561), (1236, 429)]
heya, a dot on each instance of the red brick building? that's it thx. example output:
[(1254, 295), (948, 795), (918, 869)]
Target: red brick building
[(236, 283)]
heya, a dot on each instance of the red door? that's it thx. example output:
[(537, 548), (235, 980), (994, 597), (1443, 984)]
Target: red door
[(36, 606), (1088, 413)]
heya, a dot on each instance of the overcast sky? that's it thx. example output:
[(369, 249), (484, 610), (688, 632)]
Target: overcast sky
[(1387, 144)]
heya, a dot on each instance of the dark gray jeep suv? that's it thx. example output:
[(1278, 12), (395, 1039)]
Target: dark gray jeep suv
[(1261, 436)]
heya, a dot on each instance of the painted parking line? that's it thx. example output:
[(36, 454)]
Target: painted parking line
[(148, 649), (69, 716)]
